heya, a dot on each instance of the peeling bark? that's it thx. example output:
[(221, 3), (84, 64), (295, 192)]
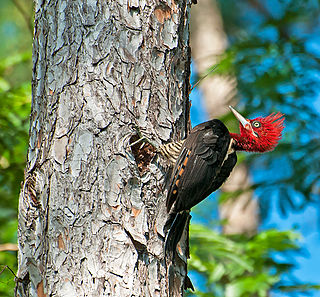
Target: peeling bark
[(89, 218)]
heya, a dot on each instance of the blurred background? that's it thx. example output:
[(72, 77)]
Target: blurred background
[(259, 235), (15, 96)]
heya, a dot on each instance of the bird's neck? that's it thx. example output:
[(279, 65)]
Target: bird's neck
[(242, 143)]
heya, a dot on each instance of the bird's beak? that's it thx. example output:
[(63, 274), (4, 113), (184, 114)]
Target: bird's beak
[(241, 119)]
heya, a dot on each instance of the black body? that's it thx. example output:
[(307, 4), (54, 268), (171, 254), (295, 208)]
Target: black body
[(201, 168)]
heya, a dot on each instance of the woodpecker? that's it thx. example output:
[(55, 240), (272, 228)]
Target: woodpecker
[(205, 159)]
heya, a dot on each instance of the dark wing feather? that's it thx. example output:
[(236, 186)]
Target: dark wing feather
[(197, 172), (175, 178)]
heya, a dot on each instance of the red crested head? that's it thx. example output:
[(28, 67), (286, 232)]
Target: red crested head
[(261, 134)]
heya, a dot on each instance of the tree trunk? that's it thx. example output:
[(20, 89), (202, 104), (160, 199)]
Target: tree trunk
[(208, 42), (104, 71)]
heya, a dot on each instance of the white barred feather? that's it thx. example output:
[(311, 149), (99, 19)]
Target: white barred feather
[(171, 150)]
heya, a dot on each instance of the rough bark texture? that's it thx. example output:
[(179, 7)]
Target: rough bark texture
[(208, 41), (87, 212)]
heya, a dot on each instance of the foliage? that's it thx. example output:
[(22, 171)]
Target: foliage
[(14, 122), (15, 95), (237, 266)]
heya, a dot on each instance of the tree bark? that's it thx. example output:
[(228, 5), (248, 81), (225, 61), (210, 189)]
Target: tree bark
[(208, 42), (91, 207)]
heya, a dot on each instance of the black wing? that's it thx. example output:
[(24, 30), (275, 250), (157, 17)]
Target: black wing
[(200, 168)]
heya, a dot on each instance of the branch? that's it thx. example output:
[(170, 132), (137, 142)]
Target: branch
[(203, 77), (8, 247)]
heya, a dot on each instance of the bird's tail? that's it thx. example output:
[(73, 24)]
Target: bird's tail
[(176, 225), (174, 229)]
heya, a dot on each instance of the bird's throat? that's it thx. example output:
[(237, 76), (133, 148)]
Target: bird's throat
[(241, 143)]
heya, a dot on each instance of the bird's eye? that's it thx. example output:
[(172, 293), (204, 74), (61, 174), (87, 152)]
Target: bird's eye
[(256, 124)]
